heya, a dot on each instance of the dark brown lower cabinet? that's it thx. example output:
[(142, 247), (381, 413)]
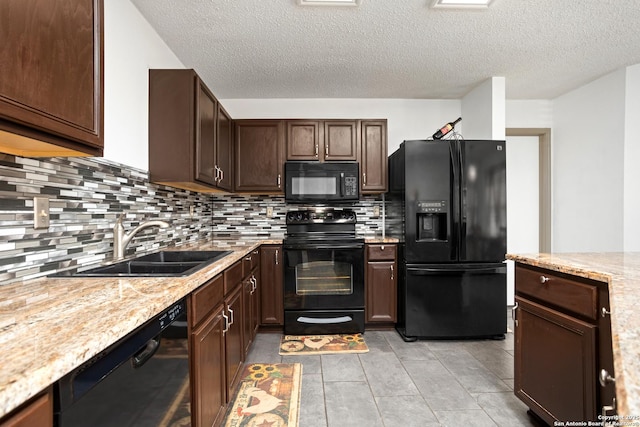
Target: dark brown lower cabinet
[(36, 412), (562, 346), (381, 284), (555, 364), (233, 344), (208, 383), (271, 292)]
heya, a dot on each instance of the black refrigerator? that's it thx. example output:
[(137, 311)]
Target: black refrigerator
[(451, 198)]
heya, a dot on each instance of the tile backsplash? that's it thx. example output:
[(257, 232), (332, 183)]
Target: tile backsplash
[(86, 195)]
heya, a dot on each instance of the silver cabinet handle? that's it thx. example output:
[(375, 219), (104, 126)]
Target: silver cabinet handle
[(513, 314), (544, 279), (605, 378), (279, 180), (326, 150), (277, 257), (226, 323), (605, 312), (316, 153), (231, 314), (364, 177), (221, 174), (392, 272), (608, 408)]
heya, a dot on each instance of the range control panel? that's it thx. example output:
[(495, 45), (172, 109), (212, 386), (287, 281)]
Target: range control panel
[(329, 215)]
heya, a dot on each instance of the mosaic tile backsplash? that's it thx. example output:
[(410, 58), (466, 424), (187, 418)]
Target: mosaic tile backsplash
[(86, 196)]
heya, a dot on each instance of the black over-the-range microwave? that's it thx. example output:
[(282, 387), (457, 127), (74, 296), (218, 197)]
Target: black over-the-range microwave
[(321, 182)]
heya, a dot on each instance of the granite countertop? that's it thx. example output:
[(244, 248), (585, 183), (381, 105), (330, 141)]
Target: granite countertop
[(49, 326), (622, 273)]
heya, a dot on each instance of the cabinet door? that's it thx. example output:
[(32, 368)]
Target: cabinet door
[(224, 145), (340, 140), (555, 363), (255, 306), (248, 302), (51, 84), (38, 412), (271, 289), (208, 385), (205, 135), (259, 156), (381, 293), (234, 348), (303, 140), (373, 156)]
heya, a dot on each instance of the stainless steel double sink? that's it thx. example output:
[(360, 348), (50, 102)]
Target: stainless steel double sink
[(157, 264)]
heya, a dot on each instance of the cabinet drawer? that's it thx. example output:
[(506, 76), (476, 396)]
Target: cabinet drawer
[(232, 276), (206, 298), (250, 262), (562, 291), (381, 252)]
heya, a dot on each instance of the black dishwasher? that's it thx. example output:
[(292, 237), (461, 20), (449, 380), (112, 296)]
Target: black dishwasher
[(142, 380)]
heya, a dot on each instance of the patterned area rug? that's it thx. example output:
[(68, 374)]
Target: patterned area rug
[(322, 344), (268, 395)]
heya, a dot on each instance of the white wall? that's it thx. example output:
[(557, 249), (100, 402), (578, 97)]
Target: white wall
[(406, 118), (530, 113), (131, 47), (632, 160), (588, 166), (483, 110)]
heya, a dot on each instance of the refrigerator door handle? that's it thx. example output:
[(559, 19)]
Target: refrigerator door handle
[(432, 271), (455, 202), (462, 241)]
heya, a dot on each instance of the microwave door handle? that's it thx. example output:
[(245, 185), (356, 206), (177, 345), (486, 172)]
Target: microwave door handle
[(341, 184)]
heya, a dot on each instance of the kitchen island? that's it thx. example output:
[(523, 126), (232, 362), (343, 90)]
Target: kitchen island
[(621, 271)]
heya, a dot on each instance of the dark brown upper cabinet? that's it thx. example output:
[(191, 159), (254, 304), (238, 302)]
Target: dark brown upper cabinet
[(322, 140), (51, 84), (373, 156), (259, 156), (224, 149), (189, 133)]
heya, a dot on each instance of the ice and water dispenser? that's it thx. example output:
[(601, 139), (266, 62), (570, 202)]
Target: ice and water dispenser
[(432, 221)]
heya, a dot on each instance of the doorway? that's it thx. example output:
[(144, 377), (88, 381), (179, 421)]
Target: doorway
[(528, 195)]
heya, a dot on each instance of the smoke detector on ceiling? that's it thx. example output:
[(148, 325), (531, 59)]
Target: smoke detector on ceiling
[(461, 4), (329, 2)]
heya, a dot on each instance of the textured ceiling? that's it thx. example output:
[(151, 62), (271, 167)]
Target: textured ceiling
[(396, 48)]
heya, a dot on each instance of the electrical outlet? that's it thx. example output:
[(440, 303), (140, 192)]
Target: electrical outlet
[(376, 211), (269, 212), (40, 212)]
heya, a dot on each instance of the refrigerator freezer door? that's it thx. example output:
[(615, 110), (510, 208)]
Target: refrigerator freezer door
[(429, 203), (447, 301), (483, 222)]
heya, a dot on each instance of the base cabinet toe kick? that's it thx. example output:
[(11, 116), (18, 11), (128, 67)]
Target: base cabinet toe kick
[(563, 366)]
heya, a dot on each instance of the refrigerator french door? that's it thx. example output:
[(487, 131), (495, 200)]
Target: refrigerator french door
[(455, 201)]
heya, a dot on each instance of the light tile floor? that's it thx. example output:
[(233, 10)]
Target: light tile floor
[(424, 383)]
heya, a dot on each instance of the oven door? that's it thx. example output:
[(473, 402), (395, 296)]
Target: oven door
[(328, 275)]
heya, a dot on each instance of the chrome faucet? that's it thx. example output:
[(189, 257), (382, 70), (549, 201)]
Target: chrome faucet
[(121, 239)]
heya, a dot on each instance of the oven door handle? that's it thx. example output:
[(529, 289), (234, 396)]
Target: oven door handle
[(319, 246), (324, 320)]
